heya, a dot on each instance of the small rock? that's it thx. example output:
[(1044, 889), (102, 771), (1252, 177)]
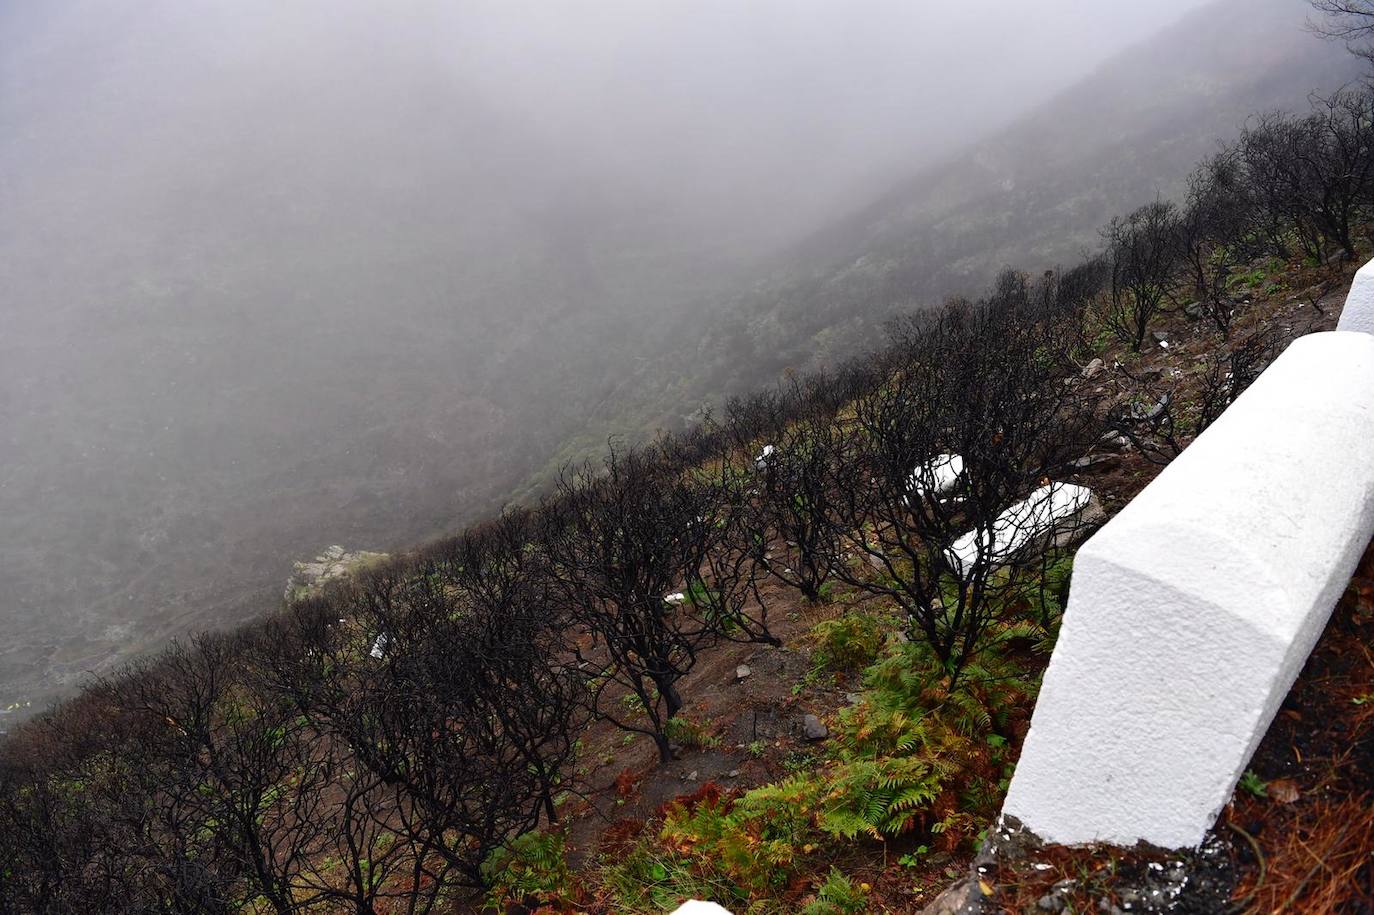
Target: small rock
[(813, 729), (733, 773), (1101, 461), (1283, 791), (1092, 369), (692, 776), (963, 898), (1050, 903), (742, 671), (1193, 311), (851, 698), (1143, 413), (1160, 336)]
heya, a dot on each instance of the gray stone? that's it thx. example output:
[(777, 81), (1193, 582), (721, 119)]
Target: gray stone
[(1092, 369), (1100, 461), (742, 671), (963, 898), (333, 563), (1050, 902), (692, 776), (813, 728), (1143, 413)]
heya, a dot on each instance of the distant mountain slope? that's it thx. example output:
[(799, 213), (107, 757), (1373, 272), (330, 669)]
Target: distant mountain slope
[(225, 343), (1032, 196)]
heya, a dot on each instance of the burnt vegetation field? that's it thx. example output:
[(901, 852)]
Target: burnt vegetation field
[(502, 718)]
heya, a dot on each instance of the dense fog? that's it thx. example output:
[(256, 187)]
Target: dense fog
[(280, 275)]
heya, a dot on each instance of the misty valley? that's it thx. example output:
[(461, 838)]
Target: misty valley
[(526, 457), (233, 352)]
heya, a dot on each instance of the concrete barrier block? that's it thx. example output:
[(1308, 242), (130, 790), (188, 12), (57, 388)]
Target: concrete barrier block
[(1192, 612), (1358, 313), (1039, 516)]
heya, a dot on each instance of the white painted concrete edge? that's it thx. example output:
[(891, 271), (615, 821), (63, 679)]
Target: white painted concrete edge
[(1192, 612)]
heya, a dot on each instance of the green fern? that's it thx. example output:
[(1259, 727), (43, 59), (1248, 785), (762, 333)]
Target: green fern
[(837, 896), (534, 864)]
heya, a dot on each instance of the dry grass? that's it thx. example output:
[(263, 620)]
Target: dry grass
[(1316, 853), (1322, 864)]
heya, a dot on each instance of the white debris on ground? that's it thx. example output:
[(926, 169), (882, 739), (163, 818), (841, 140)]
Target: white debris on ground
[(936, 476), (1020, 525)]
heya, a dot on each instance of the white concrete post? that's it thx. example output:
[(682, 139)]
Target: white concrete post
[(1193, 610), (1358, 313)]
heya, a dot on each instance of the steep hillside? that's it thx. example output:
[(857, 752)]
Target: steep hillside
[(194, 394), (1032, 196), (280, 275)]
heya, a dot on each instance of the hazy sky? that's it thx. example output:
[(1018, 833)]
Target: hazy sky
[(784, 105)]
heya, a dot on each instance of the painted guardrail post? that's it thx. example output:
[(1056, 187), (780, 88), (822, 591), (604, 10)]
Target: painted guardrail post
[(1193, 610)]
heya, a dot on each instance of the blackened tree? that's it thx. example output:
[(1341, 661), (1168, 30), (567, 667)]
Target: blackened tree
[(505, 647), (779, 476), (618, 543), (1142, 254), (988, 383), (61, 849), (1313, 177), (1166, 419), (450, 786), (235, 766), (1213, 228), (1350, 21), (1340, 157), (375, 852)]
